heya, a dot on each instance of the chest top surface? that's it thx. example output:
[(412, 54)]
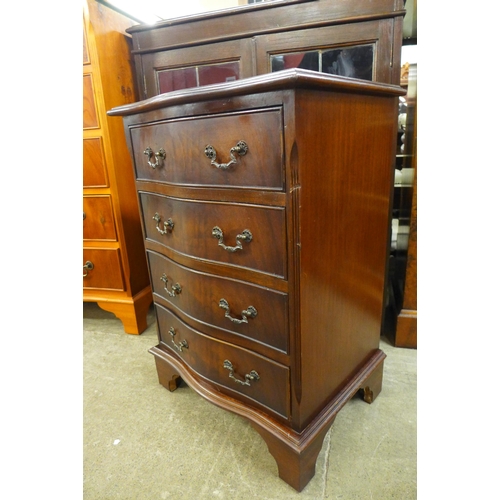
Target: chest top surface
[(293, 79)]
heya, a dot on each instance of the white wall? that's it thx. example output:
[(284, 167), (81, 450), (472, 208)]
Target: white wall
[(409, 54), (150, 11)]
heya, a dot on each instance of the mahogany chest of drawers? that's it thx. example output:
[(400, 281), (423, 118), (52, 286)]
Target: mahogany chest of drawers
[(265, 208)]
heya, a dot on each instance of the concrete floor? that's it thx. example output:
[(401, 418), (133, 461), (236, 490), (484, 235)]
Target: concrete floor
[(142, 442)]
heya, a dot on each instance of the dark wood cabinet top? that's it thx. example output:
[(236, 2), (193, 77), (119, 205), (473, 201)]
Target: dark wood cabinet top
[(267, 17), (282, 80)]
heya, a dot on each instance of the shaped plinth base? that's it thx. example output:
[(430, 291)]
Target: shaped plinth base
[(295, 453), (132, 312)]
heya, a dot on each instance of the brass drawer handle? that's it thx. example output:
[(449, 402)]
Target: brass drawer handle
[(249, 377), (241, 149), (88, 266), (246, 235), (182, 344), (176, 289), (160, 155), (250, 312), (168, 225)]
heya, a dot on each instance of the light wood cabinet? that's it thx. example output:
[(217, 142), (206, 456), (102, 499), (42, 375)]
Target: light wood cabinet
[(115, 273)]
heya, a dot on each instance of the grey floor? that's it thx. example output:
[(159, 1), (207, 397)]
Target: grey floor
[(142, 442)]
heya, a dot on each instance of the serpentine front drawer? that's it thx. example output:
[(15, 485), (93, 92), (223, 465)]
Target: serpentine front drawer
[(248, 236), (229, 150), (250, 375), (246, 310)]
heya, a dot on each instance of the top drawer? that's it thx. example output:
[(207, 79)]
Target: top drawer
[(178, 151)]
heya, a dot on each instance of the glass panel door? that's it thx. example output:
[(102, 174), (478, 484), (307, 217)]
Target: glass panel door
[(355, 61)]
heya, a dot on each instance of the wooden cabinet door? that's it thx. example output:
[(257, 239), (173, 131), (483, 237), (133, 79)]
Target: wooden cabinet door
[(196, 66), (319, 43)]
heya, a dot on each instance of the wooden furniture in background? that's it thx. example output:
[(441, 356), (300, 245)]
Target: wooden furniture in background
[(400, 325), (406, 326), (266, 234), (115, 273), (238, 43)]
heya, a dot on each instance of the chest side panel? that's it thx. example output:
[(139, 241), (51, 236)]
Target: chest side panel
[(345, 179)]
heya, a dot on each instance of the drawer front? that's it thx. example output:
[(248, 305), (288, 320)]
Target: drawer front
[(94, 163), (98, 220), (207, 357), (184, 142), (102, 269), (257, 313), (200, 229), (90, 118)]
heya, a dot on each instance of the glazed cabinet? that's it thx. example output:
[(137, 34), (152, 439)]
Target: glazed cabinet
[(265, 205), (115, 273), (359, 39)]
